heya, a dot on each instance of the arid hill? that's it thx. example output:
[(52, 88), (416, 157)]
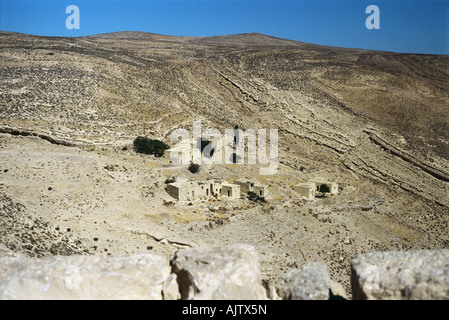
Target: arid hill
[(375, 122)]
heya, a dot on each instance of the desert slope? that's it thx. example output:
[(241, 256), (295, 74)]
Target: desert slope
[(375, 122)]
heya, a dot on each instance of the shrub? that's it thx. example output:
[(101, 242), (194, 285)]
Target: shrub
[(148, 146), (194, 168), (252, 196), (324, 188), (170, 180)]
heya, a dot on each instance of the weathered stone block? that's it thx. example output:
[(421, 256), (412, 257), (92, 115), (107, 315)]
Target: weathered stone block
[(170, 290), (420, 274), (219, 273), (83, 277), (311, 282)]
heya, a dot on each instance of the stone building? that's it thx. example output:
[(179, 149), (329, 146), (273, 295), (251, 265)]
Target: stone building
[(191, 191), (248, 186), (312, 187), (213, 187), (306, 189), (333, 187), (231, 191), (185, 191), (261, 190), (245, 186)]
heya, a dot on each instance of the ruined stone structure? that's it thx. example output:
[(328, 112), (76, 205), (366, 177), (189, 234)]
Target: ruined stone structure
[(261, 190), (310, 188), (191, 191), (249, 186), (231, 191), (245, 186), (306, 189), (320, 181), (213, 187), (185, 191)]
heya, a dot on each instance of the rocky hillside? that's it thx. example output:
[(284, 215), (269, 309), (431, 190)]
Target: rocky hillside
[(24, 236), (377, 123)]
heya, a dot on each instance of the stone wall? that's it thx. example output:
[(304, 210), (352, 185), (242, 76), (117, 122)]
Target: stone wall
[(220, 273), (412, 275)]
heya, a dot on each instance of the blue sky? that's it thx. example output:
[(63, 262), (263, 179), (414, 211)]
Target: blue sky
[(416, 26)]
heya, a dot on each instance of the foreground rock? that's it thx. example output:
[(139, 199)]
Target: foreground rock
[(220, 273), (83, 277), (309, 283), (420, 275)]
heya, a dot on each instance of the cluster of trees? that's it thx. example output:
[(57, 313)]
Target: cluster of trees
[(149, 146), (157, 148)]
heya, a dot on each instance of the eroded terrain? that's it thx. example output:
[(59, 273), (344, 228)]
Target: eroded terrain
[(375, 122)]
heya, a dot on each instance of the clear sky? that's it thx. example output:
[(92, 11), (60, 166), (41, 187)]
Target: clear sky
[(415, 26)]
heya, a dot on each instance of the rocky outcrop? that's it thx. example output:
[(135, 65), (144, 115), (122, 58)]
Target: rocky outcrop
[(220, 273), (309, 283), (84, 278), (200, 273), (420, 275), (430, 169), (170, 291)]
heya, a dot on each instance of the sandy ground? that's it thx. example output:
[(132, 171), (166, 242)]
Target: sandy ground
[(114, 202), (376, 123)]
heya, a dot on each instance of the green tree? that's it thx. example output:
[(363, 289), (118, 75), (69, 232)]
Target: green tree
[(323, 189), (194, 168), (148, 146)]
